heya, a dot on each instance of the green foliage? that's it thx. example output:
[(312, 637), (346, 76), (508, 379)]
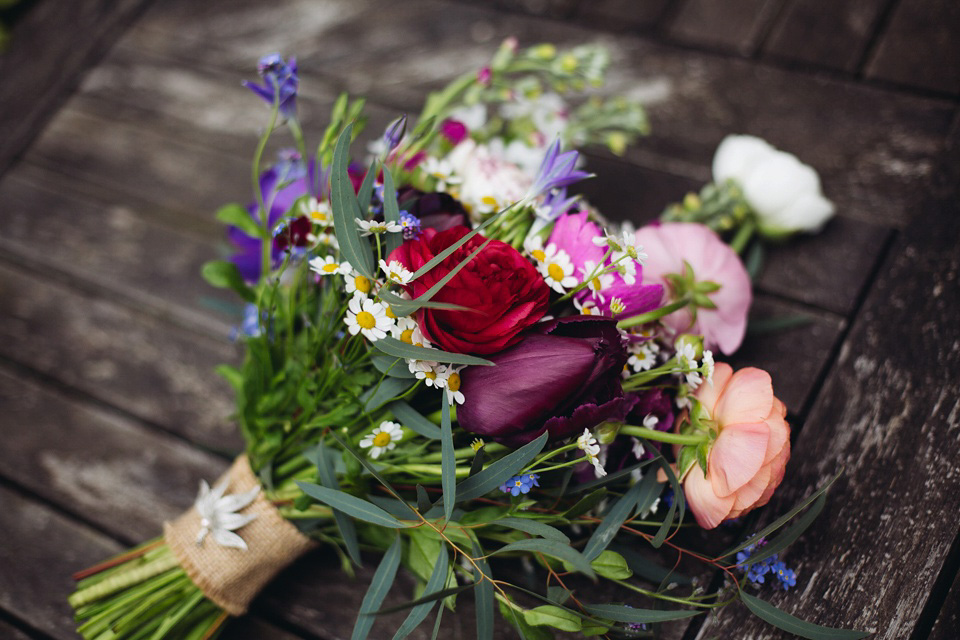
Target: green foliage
[(783, 620), (225, 275)]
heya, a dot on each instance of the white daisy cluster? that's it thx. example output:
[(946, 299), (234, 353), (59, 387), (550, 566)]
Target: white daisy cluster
[(591, 450), (643, 355), (625, 253), (694, 372)]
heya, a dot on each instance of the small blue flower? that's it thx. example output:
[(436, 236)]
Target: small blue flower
[(787, 577), (557, 170), (250, 325), (520, 484), (280, 83), (411, 225)]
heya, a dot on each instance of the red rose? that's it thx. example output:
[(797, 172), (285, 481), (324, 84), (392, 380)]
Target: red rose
[(502, 290)]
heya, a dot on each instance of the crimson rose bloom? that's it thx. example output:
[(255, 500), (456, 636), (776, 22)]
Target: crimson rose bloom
[(502, 290)]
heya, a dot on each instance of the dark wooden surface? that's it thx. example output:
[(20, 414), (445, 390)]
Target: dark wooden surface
[(124, 126)]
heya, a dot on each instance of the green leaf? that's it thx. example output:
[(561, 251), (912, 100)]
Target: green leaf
[(585, 503), (554, 549), (366, 187), (238, 216), (793, 532), (448, 464), (225, 275), (384, 392), (329, 479), (411, 419), (399, 349), (379, 586), (232, 375), (483, 595), (649, 494), (419, 612), (754, 261), (393, 367), (558, 595), (622, 613), (372, 470), (391, 210), (351, 505), (346, 210), (590, 485), (783, 620), (520, 624), (609, 527), (433, 597), (759, 327), (611, 565), (548, 615), (498, 472), (647, 569), (678, 504), (782, 520), (422, 554), (402, 307), (533, 528)]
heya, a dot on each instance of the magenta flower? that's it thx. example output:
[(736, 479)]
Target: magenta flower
[(574, 233), (672, 244), (563, 377), (454, 131)]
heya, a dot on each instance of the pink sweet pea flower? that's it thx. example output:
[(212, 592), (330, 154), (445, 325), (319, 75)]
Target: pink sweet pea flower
[(668, 245), (747, 460)]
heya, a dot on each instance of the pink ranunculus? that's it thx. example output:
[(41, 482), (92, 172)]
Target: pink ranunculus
[(668, 245), (747, 460)]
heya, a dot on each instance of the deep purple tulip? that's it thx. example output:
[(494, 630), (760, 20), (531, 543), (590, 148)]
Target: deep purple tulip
[(563, 377), (280, 83)]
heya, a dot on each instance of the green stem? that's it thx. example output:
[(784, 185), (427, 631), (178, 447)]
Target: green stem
[(656, 314), (266, 243), (123, 580), (744, 234), (662, 436)]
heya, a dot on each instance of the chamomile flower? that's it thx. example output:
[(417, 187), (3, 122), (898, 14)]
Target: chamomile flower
[(626, 268), (441, 171), (382, 439), (368, 317), (403, 329), (616, 306), (686, 355), (429, 372), (487, 205), (396, 272), (587, 307), (557, 269), (318, 212), (451, 376), (643, 356), (637, 448), (591, 450), (533, 245), (324, 240), (622, 243), (329, 267), (599, 280), (358, 283), (708, 366), (368, 227)]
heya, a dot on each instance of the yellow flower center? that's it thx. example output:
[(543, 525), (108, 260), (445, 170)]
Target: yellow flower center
[(382, 439), (366, 320), (407, 336), (389, 313), (539, 255), (319, 216), (453, 382), (518, 483), (362, 283), (430, 375), (396, 277), (489, 201), (555, 271), (586, 311), (330, 268), (596, 284)]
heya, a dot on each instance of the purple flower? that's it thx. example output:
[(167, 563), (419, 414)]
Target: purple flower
[(394, 133), (563, 377), (411, 225), (557, 170), (280, 83)]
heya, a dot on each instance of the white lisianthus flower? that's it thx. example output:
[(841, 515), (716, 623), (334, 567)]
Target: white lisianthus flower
[(784, 192)]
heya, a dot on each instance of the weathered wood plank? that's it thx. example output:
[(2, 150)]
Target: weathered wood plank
[(736, 25), (622, 15), (55, 41), (157, 372), (889, 416), (948, 621), (920, 47), (828, 34), (12, 633)]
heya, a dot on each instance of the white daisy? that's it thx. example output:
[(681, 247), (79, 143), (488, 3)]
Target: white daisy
[(378, 226), (367, 317), (557, 269), (591, 450), (626, 267), (318, 212), (429, 372), (686, 356), (643, 356), (396, 272), (586, 308), (487, 205), (441, 171), (598, 282), (451, 376), (533, 245), (622, 243), (708, 365), (359, 283), (328, 266), (324, 240), (382, 438)]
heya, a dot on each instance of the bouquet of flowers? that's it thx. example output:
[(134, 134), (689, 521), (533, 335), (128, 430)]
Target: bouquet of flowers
[(453, 359)]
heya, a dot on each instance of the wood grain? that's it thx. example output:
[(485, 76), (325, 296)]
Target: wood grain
[(736, 25)]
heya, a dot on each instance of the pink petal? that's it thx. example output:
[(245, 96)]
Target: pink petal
[(708, 508), (737, 456), (779, 436), (709, 394), (748, 495), (748, 398)]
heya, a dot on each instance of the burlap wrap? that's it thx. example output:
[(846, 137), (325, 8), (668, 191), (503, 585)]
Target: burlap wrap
[(233, 577)]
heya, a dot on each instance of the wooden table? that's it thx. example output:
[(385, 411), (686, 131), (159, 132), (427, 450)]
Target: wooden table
[(124, 126)]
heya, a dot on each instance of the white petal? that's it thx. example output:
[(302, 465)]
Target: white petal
[(229, 539), (233, 521), (736, 157), (777, 182), (237, 501), (809, 212)]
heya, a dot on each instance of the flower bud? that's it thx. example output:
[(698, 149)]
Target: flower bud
[(690, 339), (606, 432)]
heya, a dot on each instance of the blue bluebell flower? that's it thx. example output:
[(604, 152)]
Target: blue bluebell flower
[(557, 170), (280, 83), (520, 484)]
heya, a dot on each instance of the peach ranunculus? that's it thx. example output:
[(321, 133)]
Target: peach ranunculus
[(747, 460)]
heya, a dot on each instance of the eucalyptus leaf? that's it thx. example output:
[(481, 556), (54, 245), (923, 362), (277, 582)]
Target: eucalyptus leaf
[(365, 191), (351, 505), (225, 275), (411, 419), (609, 527), (783, 620), (622, 613), (789, 535), (379, 586), (448, 464), (500, 471), (648, 569), (346, 210), (347, 530), (677, 505), (533, 528), (402, 307), (585, 503), (391, 210), (384, 392), (420, 612), (548, 615), (554, 549), (399, 349), (393, 367), (366, 464), (483, 594)]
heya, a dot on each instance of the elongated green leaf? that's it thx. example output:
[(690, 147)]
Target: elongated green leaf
[(621, 613), (379, 586), (346, 210), (399, 349), (448, 461), (401, 307), (554, 549), (423, 500), (648, 569), (548, 615), (483, 595), (585, 503), (443, 255), (238, 216), (432, 597), (393, 367), (384, 392), (371, 469), (366, 187), (498, 472), (533, 528), (437, 579), (391, 505), (558, 595), (391, 210), (427, 295), (590, 485), (225, 275), (677, 505), (782, 520), (790, 534), (329, 479), (609, 527), (649, 494), (412, 420), (351, 505), (783, 620)]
